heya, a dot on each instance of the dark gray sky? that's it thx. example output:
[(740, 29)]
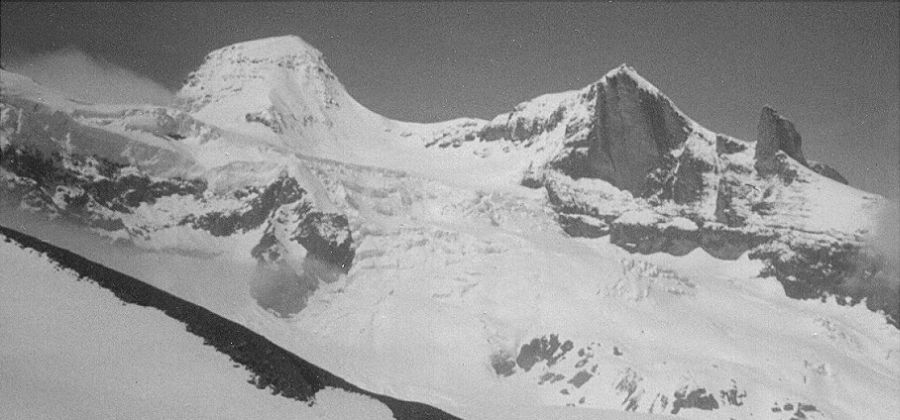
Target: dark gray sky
[(833, 68)]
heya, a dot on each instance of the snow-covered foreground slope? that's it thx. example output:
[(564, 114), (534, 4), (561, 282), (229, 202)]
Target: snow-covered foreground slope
[(70, 351), (593, 248)]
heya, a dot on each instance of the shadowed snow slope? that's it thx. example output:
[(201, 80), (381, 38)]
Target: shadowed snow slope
[(594, 248)]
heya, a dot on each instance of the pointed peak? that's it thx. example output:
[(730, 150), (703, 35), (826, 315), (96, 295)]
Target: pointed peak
[(625, 68), (622, 70), (775, 133), (768, 110), (626, 72), (769, 113)]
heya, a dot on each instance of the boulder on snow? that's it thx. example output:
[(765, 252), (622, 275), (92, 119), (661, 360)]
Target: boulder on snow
[(583, 226)]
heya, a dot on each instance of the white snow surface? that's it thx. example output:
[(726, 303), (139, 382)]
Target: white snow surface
[(70, 351)]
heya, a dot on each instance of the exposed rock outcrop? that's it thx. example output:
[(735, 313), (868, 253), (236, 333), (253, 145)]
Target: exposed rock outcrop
[(828, 171), (774, 134), (325, 236), (690, 188), (635, 128), (817, 269), (542, 349)]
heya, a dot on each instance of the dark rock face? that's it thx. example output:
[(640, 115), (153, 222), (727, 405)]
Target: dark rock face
[(729, 244), (550, 377), (542, 349), (327, 236), (816, 270), (260, 204), (580, 378), (518, 128), (719, 241), (726, 145), (633, 130), (775, 134), (579, 225), (827, 171), (649, 239), (690, 185), (268, 118), (697, 398), (283, 287), (91, 188), (729, 201)]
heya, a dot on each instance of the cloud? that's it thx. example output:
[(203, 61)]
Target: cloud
[(89, 79), (878, 264), (885, 238)]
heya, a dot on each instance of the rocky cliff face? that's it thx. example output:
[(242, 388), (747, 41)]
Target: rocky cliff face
[(775, 134), (635, 132)]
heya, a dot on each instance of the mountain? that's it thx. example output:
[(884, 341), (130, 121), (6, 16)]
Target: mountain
[(595, 248)]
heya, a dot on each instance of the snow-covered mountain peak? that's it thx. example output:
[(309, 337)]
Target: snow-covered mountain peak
[(269, 48), (265, 81), (289, 52)]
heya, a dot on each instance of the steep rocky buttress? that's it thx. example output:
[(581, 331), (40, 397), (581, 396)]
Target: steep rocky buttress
[(631, 165)]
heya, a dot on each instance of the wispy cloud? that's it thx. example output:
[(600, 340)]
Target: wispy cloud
[(89, 79)]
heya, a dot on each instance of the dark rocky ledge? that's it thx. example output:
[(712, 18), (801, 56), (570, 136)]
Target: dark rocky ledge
[(272, 367)]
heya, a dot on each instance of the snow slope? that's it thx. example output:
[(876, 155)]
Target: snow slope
[(70, 351)]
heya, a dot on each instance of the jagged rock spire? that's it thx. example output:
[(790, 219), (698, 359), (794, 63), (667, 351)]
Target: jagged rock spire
[(776, 133)]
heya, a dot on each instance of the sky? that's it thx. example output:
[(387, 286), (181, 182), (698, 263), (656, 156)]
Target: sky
[(833, 68)]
